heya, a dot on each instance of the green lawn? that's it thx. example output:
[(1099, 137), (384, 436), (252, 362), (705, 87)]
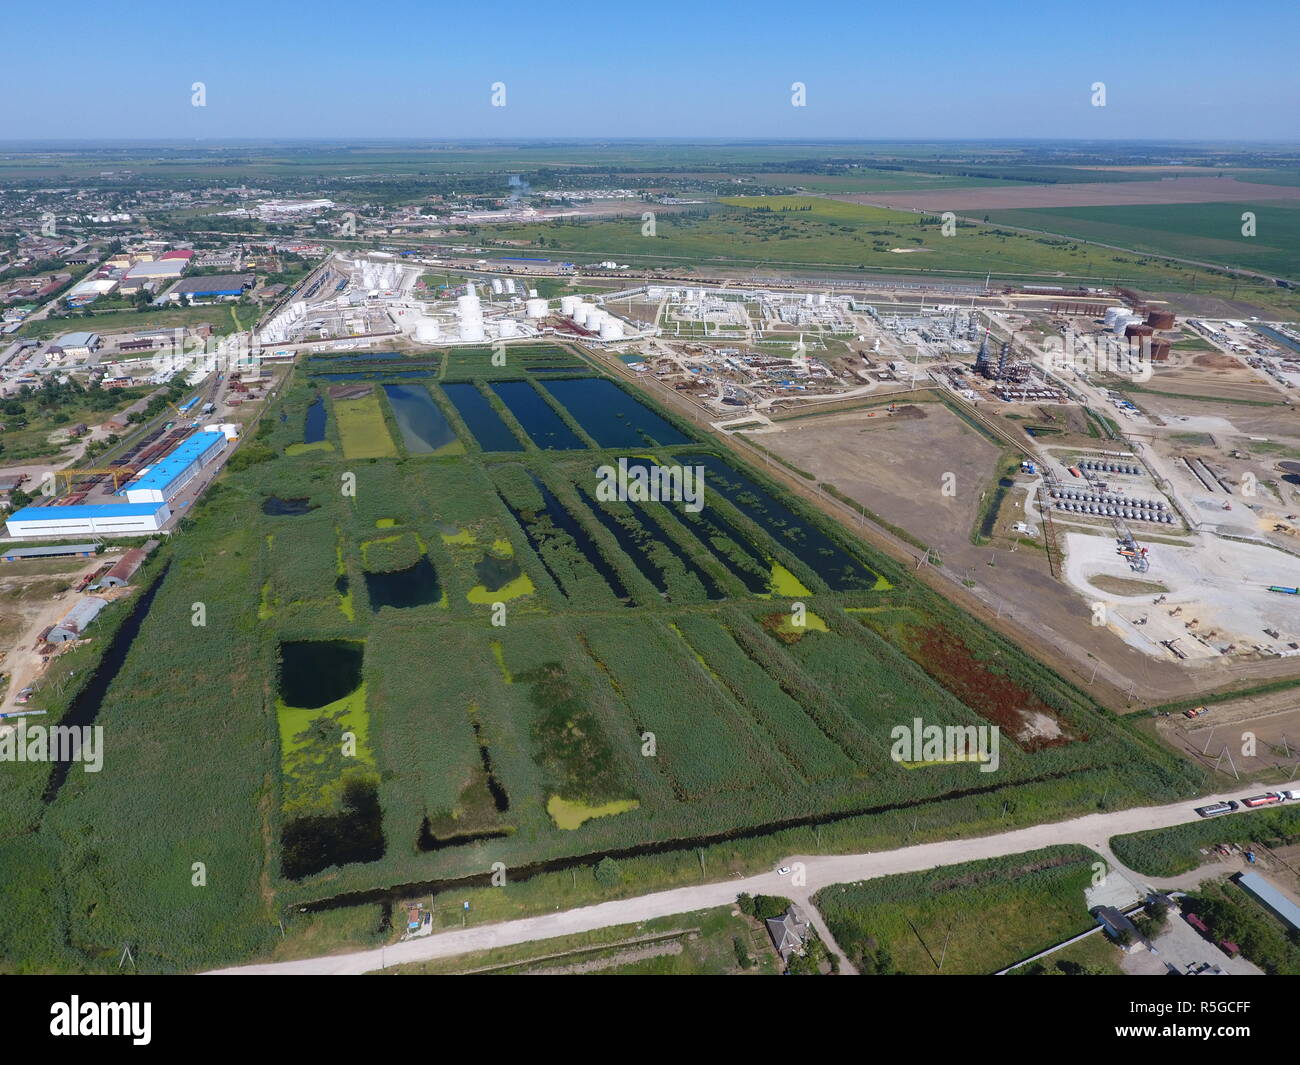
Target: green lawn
[(220, 317)]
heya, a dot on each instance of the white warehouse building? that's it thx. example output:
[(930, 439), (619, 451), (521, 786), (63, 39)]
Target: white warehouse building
[(104, 519)]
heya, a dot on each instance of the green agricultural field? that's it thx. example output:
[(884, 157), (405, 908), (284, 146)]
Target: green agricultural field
[(865, 180), (976, 918), (476, 658), (1205, 232)]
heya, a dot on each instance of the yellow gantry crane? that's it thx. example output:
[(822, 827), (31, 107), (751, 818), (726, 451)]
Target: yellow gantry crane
[(118, 473)]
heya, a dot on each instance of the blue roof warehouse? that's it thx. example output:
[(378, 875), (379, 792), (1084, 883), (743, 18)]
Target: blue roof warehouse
[(162, 481), (218, 286)]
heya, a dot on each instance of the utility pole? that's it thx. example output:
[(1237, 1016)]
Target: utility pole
[(1235, 774)]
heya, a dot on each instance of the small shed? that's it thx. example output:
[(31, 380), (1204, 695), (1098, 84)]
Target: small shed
[(124, 569), (1119, 928), (77, 620)]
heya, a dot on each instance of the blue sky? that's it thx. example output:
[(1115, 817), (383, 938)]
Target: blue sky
[(1194, 70)]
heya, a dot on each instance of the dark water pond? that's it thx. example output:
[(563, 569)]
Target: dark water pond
[(316, 416), (417, 585), (536, 416), (318, 841), (612, 417), (315, 673), (287, 508), (370, 375), (489, 430)]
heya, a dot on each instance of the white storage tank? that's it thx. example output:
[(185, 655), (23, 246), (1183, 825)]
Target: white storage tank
[(568, 304), (535, 308), (428, 330), (508, 328), (611, 328)]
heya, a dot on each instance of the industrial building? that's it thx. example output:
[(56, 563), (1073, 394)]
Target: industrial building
[(1271, 899), (161, 482), (124, 569), (102, 518), (159, 269), (77, 345), (17, 554), (75, 623), (218, 286)]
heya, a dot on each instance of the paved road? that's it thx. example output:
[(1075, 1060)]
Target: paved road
[(1092, 830)]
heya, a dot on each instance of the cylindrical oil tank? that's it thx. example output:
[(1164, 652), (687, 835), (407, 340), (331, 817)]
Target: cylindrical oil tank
[(535, 308), (611, 328), (1161, 319)]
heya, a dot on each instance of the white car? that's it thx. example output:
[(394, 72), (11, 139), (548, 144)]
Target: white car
[(783, 871)]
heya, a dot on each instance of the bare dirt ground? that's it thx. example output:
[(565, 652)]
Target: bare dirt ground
[(895, 468), (1213, 376), (1262, 734), (34, 595), (895, 465), (1191, 305), (1094, 194)]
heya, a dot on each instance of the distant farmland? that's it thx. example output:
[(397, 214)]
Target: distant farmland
[(1210, 232), (1022, 196)]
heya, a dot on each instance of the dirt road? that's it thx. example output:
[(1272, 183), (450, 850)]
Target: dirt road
[(1092, 830)]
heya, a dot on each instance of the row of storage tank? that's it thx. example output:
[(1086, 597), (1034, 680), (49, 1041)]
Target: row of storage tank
[(1108, 467), (1091, 497), (1105, 511), (592, 318), (1118, 319)]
